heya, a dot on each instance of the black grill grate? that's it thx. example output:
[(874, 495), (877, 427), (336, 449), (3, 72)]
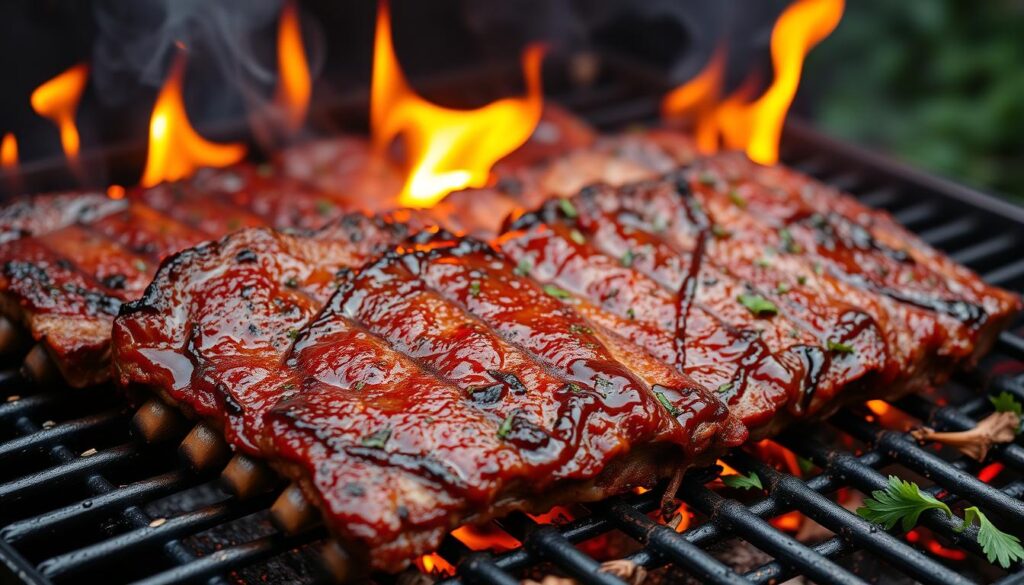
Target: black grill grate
[(81, 502)]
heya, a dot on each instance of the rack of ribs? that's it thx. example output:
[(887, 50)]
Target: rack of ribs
[(433, 386)]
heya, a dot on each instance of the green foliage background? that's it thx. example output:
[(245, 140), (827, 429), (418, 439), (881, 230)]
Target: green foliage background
[(938, 83)]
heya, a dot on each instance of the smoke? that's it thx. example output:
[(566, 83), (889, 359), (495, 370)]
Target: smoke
[(230, 47)]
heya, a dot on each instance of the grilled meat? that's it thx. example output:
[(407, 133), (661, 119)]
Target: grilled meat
[(437, 386), (730, 271), (80, 256)]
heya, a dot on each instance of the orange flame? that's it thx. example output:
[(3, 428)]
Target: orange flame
[(295, 85), (57, 100), (175, 149), (756, 127), (447, 149), (700, 90), (486, 537), (9, 151), (434, 564)]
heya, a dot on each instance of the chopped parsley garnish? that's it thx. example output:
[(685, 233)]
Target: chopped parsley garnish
[(839, 346), (568, 208), (474, 288), (1005, 402), (377, 440), (577, 328), (901, 501), (631, 313), (292, 282), (737, 199), (758, 305), (725, 387), (720, 232), (763, 262), (671, 408), (293, 333), (744, 482), (523, 268), (997, 545), (801, 279), (556, 292), (626, 260), (577, 236), (359, 385), (783, 288), (506, 426), (324, 207), (707, 179), (788, 243)]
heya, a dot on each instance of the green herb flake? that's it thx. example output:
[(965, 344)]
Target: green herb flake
[(293, 333), (763, 262), (524, 267), (556, 292), (744, 482), (671, 408), (737, 199), (725, 388), (783, 288), (707, 179), (801, 280), (631, 313), (359, 385), (474, 288), (568, 208), (659, 224), (1005, 402), (377, 440), (577, 236), (506, 426), (292, 282), (578, 329), (901, 501), (818, 268), (838, 346), (758, 305), (998, 546), (806, 465), (324, 207), (720, 232), (626, 260), (788, 243)]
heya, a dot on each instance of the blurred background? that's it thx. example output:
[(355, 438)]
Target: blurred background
[(937, 83)]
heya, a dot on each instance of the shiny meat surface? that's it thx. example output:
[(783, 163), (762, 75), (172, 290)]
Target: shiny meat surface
[(436, 386), (212, 332), (763, 284)]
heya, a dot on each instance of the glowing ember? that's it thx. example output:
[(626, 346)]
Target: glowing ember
[(556, 515), (756, 127), (879, 407), (434, 564), (295, 86), (115, 192), (175, 149), (447, 149), (9, 151), (57, 100), (990, 471), (789, 522), (486, 538)]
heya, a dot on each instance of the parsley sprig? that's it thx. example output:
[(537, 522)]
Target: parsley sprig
[(1005, 402), (740, 481), (997, 545), (903, 502)]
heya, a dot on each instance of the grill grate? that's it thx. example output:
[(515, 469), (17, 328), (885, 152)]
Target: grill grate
[(81, 502)]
